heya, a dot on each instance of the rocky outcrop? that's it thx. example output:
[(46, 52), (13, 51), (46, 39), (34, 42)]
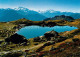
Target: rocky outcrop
[(50, 24), (16, 39), (62, 17), (6, 33), (51, 34), (48, 36), (39, 39), (1, 42)]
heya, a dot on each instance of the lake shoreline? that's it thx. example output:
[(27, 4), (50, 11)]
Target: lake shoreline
[(33, 31)]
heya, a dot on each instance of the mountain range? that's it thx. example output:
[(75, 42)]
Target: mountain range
[(18, 13), (9, 14), (53, 13)]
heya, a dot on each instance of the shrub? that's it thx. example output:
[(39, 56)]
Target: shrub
[(74, 40)]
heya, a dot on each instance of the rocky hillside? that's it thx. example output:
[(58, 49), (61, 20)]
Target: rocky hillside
[(9, 28), (51, 44), (61, 17)]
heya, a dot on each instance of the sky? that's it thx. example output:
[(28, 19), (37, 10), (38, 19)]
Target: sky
[(57, 5)]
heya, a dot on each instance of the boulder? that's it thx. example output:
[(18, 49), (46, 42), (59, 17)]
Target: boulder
[(37, 39), (1, 42), (16, 39), (50, 34)]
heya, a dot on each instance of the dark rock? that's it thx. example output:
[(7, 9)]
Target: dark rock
[(61, 39), (51, 24), (74, 40), (16, 39), (37, 39), (50, 34), (52, 48), (1, 42), (61, 17), (49, 43), (36, 44), (12, 54)]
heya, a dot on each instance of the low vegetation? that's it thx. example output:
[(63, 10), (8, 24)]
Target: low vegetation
[(51, 44)]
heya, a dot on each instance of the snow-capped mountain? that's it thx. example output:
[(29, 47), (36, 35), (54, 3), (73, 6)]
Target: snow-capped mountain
[(9, 14), (50, 11), (53, 13)]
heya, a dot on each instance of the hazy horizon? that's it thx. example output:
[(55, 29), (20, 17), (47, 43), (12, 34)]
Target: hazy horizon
[(43, 5), (41, 10)]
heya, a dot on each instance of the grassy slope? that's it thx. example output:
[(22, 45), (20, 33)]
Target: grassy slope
[(9, 26)]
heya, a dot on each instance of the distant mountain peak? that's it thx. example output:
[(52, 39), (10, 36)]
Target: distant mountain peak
[(53, 13), (21, 8), (50, 11), (6, 9), (9, 14)]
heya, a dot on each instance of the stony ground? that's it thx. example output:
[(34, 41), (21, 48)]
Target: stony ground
[(9, 28)]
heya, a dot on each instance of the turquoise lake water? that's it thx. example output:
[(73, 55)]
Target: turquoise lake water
[(34, 31)]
